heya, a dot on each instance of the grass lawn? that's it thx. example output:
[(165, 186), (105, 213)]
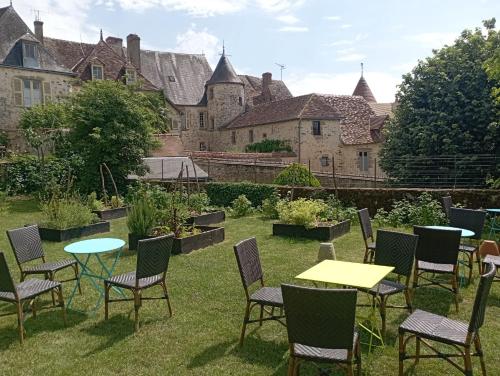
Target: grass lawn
[(208, 304)]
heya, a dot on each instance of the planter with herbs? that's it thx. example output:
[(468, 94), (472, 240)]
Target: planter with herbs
[(107, 210), (201, 213), (193, 238)]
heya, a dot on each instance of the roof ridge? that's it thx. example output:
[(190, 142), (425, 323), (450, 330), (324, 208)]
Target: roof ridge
[(305, 105)]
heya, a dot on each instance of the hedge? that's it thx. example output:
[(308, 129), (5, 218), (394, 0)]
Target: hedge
[(222, 194)]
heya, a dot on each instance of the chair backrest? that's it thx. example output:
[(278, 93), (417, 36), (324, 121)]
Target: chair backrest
[(483, 290), (396, 249), (6, 282), (247, 256), (436, 245), (447, 204), (26, 243), (366, 224), (153, 256), (469, 219), (320, 317)]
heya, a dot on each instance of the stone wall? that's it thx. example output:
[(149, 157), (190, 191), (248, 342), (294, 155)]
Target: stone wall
[(224, 105)]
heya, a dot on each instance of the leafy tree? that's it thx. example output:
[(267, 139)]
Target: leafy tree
[(297, 175), (446, 107), (113, 124)]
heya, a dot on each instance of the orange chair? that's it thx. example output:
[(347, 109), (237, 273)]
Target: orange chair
[(487, 247)]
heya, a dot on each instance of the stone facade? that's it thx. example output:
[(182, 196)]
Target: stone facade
[(225, 102)]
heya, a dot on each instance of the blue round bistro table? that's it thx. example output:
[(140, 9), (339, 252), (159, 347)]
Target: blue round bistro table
[(495, 222), (86, 250), (465, 233)]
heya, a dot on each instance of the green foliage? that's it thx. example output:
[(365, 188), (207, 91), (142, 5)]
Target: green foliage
[(268, 146), (93, 203), (142, 216), (297, 175), (303, 212), (223, 194), (269, 206), (109, 123), (240, 207), (4, 139), (424, 211), (493, 183), (445, 107), (116, 202), (338, 212), (4, 204), (199, 202), (155, 101)]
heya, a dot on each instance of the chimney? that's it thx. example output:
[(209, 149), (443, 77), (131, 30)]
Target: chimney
[(134, 50), (116, 44), (39, 30), (266, 83)]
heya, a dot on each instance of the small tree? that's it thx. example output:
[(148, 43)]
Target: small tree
[(297, 175)]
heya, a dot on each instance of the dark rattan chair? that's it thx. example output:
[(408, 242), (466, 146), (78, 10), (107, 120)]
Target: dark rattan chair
[(471, 220), (27, 246), (493, 260), (398, 250), (437, 253), (247, 256), (367, 231), (447, 204), (25, 292), (425, 326), (153, 256), (321, 327)]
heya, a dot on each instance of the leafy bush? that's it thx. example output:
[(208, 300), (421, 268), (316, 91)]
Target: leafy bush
[(116, 202), (93, 203), (301, 212), (269, 206), (423, 211), (223, 194), (240, 207), (297, 175), (198, 203), (337, 211), (142, 216), (175, 213), (268, 146), (66, 210)]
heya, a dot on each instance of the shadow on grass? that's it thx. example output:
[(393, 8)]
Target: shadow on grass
[(23, 206), (434, 299), (113, 330)]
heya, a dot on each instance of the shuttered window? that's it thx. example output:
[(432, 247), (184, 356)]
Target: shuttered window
[(17, 92), (97, 72), (30, 55), (233, 137), (28, 93), (316, 128), (363, 161), (250, 136)]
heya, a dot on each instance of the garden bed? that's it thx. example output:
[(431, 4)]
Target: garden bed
[(108, 214), (56, 235), (208, 236), (206, 219), (323, 232)]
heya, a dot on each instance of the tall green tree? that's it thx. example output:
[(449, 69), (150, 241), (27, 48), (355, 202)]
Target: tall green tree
[(446, 107), (112, 124)]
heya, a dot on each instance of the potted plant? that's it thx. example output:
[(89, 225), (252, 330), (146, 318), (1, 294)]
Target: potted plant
[(308, 219), (141, 219), (112, 209), (201, 213)]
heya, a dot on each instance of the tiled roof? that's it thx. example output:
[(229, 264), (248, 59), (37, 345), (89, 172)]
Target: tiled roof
[(253, 88), (66, 52), (363, 90), (381, 108), (224, 73)]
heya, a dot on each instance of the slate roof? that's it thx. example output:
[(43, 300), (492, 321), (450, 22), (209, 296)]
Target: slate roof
[(68, 53), (224, 73), (363, 90), (253, 88)]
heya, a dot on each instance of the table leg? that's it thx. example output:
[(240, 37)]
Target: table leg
[(83, 267), (372, 320)]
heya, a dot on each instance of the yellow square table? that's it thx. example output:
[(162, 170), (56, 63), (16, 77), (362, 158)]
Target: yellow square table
[(355, 275)]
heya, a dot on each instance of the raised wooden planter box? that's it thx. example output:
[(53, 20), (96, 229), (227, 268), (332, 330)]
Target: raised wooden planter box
[(55, 235), (207, 219), (323, 232), (108, 214), (208, 237)]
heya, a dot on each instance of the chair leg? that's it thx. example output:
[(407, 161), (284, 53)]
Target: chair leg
[(77, 276), (454, 284), (358, 358), (468, 361), (382, 310), (296, 368), (401, 353), (261, 315), (106, 300), (408, 300), (365, 257), (471, 265), (167, 298), (33, 308), (245, 320), (291, 365), (137, 305), (61, 304), (479, 350), (417, 349), (20, 321)]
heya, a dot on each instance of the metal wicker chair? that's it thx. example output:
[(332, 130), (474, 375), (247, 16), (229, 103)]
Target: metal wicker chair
[(493, 260), (447, 204), (367, 231), (27, 246), (153, 256), (321, 327), (398, 250), (425, 326), (437, 253), (247, 256), (25, 292), (471, 220)]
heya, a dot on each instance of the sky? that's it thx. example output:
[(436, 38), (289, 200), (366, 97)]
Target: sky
[(321, 43)]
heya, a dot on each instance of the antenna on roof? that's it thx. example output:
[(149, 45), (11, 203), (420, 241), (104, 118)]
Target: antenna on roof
[(362, 69), (37, 14), (282, 66), (223, 49), (101, 34)]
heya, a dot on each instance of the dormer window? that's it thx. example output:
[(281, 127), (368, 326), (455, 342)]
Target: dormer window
[(97, 72), (130, 76), (30, 55)]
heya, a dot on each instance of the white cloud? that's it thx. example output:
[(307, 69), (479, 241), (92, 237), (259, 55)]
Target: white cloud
[(383, 85), (332, 18), (345, 26), (354, 56), (294, 29), (274, 6), (432, 39), (199, 41), (288, 19), (346, 42)]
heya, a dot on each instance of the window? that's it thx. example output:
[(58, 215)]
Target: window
[(183, 121), (202, 120), (212, 123), (250, 136), (363, 160), (171, 78), (30, 55), (32, 93), (325, 161), (240, 101), (316, 128), (175, 124), (130, 76), (97, 73), (211, 93), (203, 146), (233, 137), (264, 135)]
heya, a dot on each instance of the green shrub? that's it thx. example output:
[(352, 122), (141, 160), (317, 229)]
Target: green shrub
[(337, 211), (198, 202), (116, 202), (301, 212), (240, 207), (66, 212), (297, 175), (223, 194), (142, 216), (93, 203), (268, 146), (269, 206)]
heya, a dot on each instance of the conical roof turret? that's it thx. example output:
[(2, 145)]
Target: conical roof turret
[(363, 90), (224, 72)]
